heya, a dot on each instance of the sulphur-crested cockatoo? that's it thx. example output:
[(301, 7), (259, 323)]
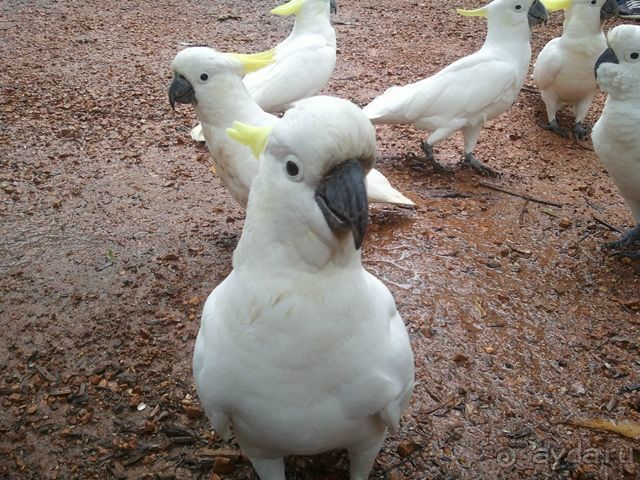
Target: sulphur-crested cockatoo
[(472, 90), (615, 134), (564, 68), (304, 61), (212, 82), (300, 349)]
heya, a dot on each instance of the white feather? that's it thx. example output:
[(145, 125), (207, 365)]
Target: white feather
[(615, 134), (564, 68), (224, 99), (303, 64), (470, 91), (300, 348)]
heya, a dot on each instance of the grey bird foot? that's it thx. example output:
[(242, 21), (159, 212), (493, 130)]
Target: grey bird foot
[(627, 254), (478, 166), (580, 131), (428, 151), (553, 127), (629, 239)]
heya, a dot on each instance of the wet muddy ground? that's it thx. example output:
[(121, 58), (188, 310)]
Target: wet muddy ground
[(114, 231)]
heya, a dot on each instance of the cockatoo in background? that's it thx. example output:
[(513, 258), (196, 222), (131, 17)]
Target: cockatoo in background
[(472, 90), (212, 82), (564, 68), (301, 349), (304, 61), (615, 134)]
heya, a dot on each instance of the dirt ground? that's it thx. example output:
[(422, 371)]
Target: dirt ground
[(114, 232)]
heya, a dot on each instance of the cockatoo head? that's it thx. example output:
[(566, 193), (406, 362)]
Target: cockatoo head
[(201, 72), (296, 7), (313, 168), (510, 12), (602, 9), (618, 68)]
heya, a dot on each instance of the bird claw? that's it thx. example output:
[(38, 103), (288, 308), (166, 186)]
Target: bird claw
[(629, 239), (471, 161), (437, 167), (553, 127), (580, 131)]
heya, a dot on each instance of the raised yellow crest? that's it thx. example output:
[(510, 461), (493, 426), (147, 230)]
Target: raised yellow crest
[(554, 5), (253, 137), (254, 61), (478, 12), (288, 8)]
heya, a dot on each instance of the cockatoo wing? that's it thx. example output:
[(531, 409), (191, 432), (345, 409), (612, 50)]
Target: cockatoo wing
[(379, 190), (548, 64), (300, 71), (463, 89), (386, 381)]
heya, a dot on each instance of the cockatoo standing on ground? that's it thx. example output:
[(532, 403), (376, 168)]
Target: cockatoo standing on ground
[(615, 136), (472, 90), (212, 82), (301, 349), (564, 68), (304, 61)]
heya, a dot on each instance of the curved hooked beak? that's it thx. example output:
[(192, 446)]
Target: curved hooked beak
[(342, 198), (537, 13), (609, 10), (181, 91), (608, 56), (333, 8)]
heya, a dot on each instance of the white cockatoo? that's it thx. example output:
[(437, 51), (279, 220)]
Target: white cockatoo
[(212, 82), (300, 349), (304, 61), (564, 68), (472, 90), (615, 134)]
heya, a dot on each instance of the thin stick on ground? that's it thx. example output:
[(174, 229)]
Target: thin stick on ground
[(609, 226), (521, 195)]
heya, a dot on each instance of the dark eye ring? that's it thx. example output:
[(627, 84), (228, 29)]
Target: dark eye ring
[(204, 77), (292, 169), (593, 2), (634, 55), (518, 7)]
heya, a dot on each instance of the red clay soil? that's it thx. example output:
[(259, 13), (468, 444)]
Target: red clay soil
[(114, 231)]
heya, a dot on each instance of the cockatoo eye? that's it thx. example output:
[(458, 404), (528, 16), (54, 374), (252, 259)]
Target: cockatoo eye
[(633, 57), (517, 7), (204, 77), (294, 170), (593, 2)]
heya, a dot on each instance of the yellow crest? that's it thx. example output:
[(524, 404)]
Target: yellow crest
[(288, 8), (554, 5), (254, 61), (478, 12), (253, 137)]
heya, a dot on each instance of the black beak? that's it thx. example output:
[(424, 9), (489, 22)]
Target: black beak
[(181, 91), (608, 56), (537, 14), (609, 10), (342, 198), (333, 8)]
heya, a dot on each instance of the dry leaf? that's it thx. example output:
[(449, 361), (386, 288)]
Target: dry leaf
[(627, 429)]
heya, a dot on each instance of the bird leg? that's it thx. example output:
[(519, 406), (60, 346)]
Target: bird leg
[(478, 166), (428, 151), (553, 126), (362, 458), (581, 131), (268, 468), (629, 239)]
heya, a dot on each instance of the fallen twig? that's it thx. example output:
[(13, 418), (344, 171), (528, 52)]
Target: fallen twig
[(602, 222), (441, 405), (520, 195)]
